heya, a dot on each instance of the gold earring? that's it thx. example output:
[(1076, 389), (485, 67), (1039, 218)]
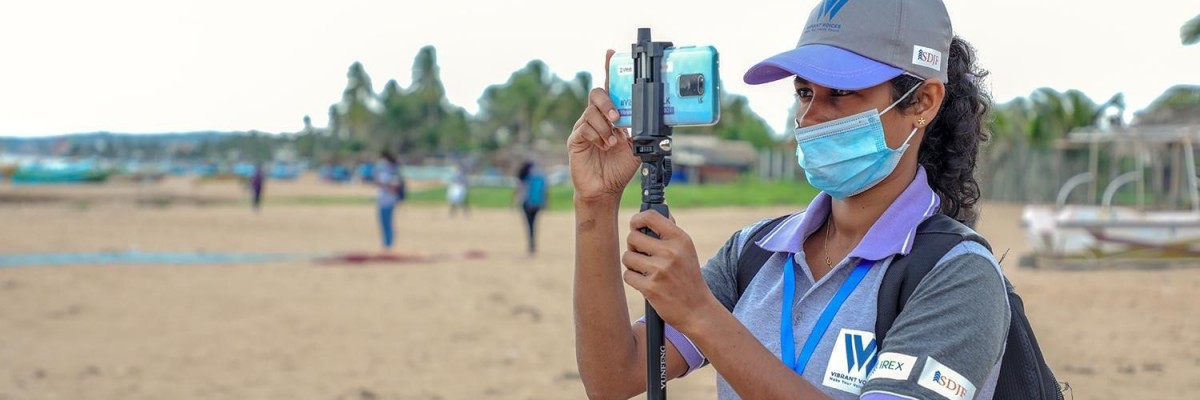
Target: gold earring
[(921, 121)]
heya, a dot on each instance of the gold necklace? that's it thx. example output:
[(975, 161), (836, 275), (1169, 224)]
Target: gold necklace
[(828, 231)]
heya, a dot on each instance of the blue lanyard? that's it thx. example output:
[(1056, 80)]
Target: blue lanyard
[(787, 339)]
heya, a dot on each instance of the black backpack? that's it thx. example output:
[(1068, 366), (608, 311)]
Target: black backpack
[(402, 189), (1023, 371)]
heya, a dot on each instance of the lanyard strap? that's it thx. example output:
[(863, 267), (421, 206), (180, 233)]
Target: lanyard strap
[(787, 339)]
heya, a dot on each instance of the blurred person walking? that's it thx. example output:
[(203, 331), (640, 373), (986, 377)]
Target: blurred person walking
[(457, 192), (532, 193), (257, 182), (391, 192)]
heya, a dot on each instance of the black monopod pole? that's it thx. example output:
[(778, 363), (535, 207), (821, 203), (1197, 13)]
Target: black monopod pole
[(652, 144)]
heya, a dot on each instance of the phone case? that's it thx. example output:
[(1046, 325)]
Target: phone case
[(691, 83)]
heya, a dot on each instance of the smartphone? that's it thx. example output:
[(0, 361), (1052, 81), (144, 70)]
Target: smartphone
[(691, 83)]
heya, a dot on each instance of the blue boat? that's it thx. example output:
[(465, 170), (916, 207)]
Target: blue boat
[(50, 172)]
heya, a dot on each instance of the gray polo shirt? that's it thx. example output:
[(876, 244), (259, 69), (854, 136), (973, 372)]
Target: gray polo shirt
[(947, 342)]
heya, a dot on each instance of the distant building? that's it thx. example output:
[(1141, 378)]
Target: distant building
[(707, 159)]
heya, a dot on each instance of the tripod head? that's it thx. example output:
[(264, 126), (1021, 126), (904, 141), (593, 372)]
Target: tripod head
[(651, 135)]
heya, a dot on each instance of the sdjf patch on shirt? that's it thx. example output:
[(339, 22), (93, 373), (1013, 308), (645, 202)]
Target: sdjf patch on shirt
[(945, 381)]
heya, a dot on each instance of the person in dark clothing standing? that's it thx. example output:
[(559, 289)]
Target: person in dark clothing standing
[(257, 181), (531, 193)]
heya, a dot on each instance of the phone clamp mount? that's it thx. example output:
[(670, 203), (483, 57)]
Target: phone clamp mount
[(652, 144)]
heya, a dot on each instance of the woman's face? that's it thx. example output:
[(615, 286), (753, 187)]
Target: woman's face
[(820, 104)]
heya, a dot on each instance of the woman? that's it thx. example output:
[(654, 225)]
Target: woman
[(457, 191), (889, 126), (391, 192), (532, 194)]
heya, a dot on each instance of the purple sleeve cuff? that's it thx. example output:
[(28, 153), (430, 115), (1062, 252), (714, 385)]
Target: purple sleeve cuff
[(691, 354), (881, 396)]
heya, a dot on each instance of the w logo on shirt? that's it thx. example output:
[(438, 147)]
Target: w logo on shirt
[(857, 355), (853, 357), (831, 7)]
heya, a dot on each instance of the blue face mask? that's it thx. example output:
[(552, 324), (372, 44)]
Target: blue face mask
[(848, 155)]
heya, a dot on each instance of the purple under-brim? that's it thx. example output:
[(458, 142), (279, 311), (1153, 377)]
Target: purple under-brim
[(824, 65)]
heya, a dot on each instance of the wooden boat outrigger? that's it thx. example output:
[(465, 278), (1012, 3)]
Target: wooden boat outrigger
[(1101, 234)]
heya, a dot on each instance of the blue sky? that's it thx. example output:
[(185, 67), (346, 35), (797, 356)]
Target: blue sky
[(169, 66)]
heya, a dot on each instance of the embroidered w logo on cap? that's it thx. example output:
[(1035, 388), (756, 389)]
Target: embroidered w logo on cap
[(831, 7)]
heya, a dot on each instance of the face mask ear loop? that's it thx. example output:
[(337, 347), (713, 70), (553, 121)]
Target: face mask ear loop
[(910, 136), (889, 108)]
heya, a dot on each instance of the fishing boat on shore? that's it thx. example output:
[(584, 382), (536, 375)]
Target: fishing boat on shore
[(1147, 215)]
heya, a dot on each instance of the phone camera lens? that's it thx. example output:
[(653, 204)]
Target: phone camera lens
[(691, 85)]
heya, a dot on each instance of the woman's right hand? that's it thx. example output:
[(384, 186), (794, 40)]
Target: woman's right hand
[(601, 155)]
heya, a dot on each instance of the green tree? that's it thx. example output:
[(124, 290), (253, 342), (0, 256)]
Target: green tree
[(428, 97), (1189, 33), (358, 109), (533, 105), (335, 120), (570, 97), (1009, 120), (311, 142), (522, 102), (1180, 104), (443, 125), (738, 122), (1019, 163), (400, 115), (420, 120), (1055, 114)]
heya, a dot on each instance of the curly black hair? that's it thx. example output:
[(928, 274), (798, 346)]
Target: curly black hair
[(951, 145)]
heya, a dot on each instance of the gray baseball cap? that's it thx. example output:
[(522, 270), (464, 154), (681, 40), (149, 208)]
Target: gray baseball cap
[(856, 44)]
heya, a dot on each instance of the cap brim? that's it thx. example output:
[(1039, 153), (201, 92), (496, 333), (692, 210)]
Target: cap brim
[(824, 65)]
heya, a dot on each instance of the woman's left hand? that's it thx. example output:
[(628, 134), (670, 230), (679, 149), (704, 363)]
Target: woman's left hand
[(666, 270)]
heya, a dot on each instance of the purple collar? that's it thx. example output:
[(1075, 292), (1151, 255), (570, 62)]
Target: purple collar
[(891, 234)]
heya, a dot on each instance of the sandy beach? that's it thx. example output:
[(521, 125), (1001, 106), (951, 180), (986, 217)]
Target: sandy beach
[(480, 319)]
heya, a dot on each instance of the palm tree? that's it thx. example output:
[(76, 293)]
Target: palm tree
[(359, 106), (1189, 33), (738, 122), (399, 118), (1022, 130), (522, 103), (1055, 114)]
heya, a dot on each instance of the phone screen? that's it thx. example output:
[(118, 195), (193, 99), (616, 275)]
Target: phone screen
[(691, 84)]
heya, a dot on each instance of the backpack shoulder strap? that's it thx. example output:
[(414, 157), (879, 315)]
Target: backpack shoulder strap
[(934, 238), (752, 256)]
